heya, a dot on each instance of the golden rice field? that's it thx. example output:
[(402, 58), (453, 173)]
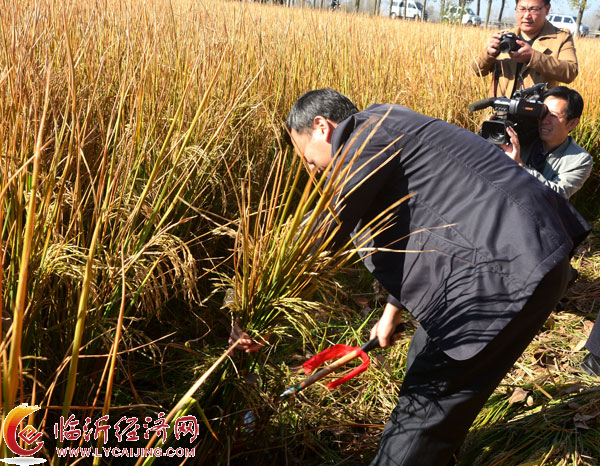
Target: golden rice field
[(143, 175)]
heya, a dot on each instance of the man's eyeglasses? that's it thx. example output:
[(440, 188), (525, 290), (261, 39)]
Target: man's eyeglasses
[(534, 10)]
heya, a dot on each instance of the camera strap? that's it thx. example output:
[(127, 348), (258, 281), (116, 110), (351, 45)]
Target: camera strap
[(519, 81), (496, 77)]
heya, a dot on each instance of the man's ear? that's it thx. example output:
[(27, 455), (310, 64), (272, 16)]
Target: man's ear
[(572, 124), (324, 127)]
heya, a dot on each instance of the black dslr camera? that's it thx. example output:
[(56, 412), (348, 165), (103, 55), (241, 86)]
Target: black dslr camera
[(522, 113), (508, 43)]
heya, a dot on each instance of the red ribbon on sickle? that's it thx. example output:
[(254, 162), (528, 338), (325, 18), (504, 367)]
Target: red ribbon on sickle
[(336, 352)]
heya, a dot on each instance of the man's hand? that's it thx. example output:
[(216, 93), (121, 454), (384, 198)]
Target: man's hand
[(493, 44), (524, 54), (246, 343), (513, 150), (386, 325)]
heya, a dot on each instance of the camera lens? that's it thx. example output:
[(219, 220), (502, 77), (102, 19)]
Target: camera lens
[(494, 131), (508, 43)]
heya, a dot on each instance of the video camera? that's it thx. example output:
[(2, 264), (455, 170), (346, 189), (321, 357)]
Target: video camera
[(522, 113)]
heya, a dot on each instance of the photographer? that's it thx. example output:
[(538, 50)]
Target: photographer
[(539, 53)]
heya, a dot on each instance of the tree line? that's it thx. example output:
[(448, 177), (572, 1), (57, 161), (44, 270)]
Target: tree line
[(374, 6)]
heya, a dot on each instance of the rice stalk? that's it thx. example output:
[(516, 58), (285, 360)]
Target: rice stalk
[(179, 407), (11, 378), (112, 358)]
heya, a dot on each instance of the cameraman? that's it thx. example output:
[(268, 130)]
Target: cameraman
[(554, 158), (546, 54), (562, 165)]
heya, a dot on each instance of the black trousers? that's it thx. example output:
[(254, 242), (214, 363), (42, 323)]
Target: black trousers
[(593, 343), (440, 397)]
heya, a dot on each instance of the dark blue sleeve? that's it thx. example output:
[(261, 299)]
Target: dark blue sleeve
[(361, 171)]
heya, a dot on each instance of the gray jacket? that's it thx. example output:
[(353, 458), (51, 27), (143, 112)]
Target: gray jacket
[(567, 167)]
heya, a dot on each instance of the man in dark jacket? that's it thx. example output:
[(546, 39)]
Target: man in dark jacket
[(491, 261)]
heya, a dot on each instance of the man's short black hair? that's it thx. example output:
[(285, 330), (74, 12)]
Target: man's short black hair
[(546, 2), (573, 98), (320, 102)]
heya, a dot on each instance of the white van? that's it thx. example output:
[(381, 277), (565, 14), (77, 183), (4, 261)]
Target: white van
[(468, 18), (413, 10), (569, 23)]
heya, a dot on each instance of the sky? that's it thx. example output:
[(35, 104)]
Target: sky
[(563, 6), (591, 16)]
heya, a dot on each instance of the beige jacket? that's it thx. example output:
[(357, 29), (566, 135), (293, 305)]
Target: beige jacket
[(553, 61)]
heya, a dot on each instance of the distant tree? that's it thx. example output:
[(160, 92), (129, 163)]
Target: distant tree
[(478, 7), (487, 15), (580, 6), (501, 11), (442, 9), (356, 5), (424, 9), (462, 6), (377, 7)]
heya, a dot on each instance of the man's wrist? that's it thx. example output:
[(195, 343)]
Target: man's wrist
[(391, 309)]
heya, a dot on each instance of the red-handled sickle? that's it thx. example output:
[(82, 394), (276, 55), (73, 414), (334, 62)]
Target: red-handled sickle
[(347, 353)]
